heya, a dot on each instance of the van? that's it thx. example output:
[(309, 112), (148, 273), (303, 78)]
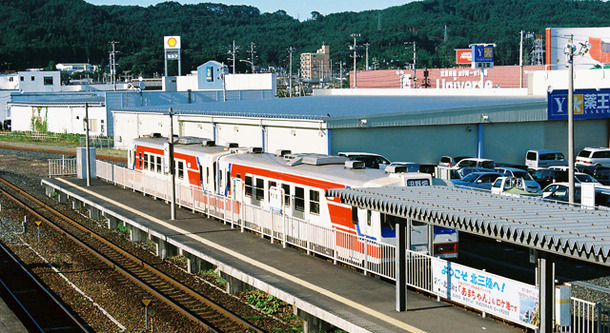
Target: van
[(544, 158)]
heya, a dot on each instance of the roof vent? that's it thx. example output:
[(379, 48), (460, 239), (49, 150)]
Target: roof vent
[(189, 140), (282, 152), (354, 165), (255, 150), (396, 169), (155, 135), (318, 159), (208, 143), (233, 145)]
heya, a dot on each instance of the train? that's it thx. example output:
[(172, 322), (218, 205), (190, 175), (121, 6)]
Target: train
[(293, 183)]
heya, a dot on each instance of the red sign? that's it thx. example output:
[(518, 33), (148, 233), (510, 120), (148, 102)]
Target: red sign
[(463, 56)]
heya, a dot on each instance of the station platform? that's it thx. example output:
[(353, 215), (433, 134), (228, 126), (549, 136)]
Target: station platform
[(9, 321), (340, 296)]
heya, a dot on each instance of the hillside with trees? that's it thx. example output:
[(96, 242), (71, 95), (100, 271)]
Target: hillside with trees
[(39, 33)]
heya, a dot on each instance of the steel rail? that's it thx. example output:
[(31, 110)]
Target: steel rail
[(229, 316)]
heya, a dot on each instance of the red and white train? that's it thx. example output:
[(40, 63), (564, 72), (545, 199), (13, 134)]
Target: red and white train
[(302, 178)]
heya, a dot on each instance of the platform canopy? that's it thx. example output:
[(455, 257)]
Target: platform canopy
[(570, 231)]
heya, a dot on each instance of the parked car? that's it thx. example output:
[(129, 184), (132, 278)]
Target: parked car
[(544, 177), (450, 161), (560, 192), (482, 180), (600, 173), (594, 156), (544, 158), (370, 160), (475, 163), (530, 185), (511, 186)]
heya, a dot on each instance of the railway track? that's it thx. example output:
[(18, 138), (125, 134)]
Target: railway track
[(38, 309), (163, 288)]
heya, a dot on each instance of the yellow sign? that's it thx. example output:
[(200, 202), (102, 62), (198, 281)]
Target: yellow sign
[(146, 301), (38, 222)]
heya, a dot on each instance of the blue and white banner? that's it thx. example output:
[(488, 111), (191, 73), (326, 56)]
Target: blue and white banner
[(494, 294), (588, 104)]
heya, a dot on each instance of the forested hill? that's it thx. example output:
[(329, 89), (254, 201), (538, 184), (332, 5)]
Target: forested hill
[(35, 32)]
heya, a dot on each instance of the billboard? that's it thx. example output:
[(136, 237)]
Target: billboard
[(463, 56), (595, 40), (171, 42), (588, 104), (493, 294)]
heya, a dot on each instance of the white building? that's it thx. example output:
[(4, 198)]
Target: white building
[(26, 81)]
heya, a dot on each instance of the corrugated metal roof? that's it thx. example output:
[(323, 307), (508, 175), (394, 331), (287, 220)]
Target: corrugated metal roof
[(561, 229), (58, 98), (380, 111)]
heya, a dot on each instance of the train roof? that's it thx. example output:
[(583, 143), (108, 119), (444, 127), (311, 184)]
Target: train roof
[(188, 145), (322, 167)]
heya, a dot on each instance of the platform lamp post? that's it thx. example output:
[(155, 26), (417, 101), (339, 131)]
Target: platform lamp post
[(87, 157), (172, 167)]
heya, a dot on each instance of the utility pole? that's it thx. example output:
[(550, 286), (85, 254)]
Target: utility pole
[(291, 49), (113, 64), (521, 61), (252, 55), (354, 48), (569, 51), (367, 56), (414, 61), (172, 166), (341, 74), (88, 157), (233, 54)]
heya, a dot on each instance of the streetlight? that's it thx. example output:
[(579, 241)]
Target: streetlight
[(249, 62), (172, 167)]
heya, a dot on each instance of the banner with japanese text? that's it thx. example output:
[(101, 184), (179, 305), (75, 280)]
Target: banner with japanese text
[(493, 294), (588, 104)]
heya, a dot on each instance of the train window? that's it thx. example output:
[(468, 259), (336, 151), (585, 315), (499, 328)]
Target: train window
[(271, 184), (314, 202), (159, 164), (260, 189), (389, 221), (286, 188), (229, 179), (417, 223), (248, 186), (180, 169), (299, 199), (354, 215), (145, 161), (140, 161), (369, 217)]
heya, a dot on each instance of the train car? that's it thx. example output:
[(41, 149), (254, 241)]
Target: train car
[(302, 180)]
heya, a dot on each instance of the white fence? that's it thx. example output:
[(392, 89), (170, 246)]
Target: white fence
[(62, 167), (360, 252)]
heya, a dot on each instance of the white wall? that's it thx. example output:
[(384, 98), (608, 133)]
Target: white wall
[(296, 135), (60, 119), (31, 81), (540, 81), (264, 81)]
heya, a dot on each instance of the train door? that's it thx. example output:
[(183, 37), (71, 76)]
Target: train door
[(419, 236), (368, 222)]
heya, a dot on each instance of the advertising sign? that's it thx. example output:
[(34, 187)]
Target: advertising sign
[(463, 56), (496, 295), (483, 53), (209, 73), (588, 104), (595, 40), (171, 42), (276, 199)]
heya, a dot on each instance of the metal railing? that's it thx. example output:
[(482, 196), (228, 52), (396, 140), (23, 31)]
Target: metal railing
[(62, 167), (342, 247)]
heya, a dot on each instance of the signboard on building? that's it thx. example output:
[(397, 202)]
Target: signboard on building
[(588, 104), (493, 294), (209, 73), (595, 40), (463, 56)]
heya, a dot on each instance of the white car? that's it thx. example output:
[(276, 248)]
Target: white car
[(594, 156), (474, 163)]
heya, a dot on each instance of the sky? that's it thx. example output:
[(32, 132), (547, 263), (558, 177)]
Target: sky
[(300, 9)]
